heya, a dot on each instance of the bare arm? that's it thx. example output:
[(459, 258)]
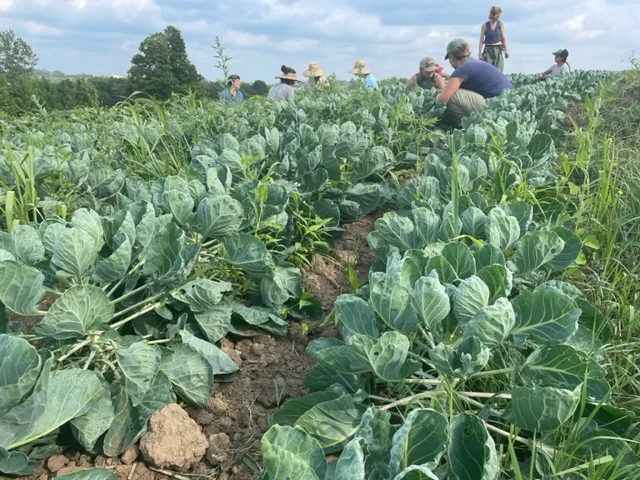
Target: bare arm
[(504, 40), (452, 86), (411, 84), (481, 43), (439, 81)]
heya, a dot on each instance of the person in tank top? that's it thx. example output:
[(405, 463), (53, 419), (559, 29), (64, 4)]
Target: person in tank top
[(492, 47), (428, 76)]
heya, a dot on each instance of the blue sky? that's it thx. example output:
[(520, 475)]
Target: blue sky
[(99, 37)]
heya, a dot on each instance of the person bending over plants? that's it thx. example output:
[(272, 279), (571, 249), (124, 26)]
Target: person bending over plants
[(471, 82), (429, 76)]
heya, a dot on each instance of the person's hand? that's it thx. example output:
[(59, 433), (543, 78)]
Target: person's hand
[(506, 54), (480, 56)]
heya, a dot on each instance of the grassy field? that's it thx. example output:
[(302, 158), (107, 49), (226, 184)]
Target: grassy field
[(334, 289)]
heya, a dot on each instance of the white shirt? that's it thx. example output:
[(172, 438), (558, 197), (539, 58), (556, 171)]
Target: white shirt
[(281, 91), (558, 71)]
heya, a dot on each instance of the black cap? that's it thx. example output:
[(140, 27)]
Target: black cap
[(563, 52)]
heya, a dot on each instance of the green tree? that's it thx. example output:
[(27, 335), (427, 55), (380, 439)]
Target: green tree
[(16, 56), (260, 88), (162, 66)]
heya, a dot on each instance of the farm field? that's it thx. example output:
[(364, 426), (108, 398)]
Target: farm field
[(336, 288)]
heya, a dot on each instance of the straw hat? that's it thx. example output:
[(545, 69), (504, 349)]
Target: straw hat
[(313, 71), (359, 68), (289, 76)]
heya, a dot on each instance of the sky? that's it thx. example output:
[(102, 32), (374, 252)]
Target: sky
[(99, 37)]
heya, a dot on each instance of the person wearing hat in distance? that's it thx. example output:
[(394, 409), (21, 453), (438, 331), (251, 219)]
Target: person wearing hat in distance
[(561, 67), (493, 40), (360, 69), (232, 93), (471, 82), (428, 76), (315, 75), (284, 90)]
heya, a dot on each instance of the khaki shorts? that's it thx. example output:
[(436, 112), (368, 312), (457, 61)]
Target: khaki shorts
[(463, 103)]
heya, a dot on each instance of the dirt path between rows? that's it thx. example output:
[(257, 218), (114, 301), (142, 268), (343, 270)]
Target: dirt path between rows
[(272, 371)]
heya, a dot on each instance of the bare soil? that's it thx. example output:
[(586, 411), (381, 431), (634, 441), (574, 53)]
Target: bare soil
[(272, 371)]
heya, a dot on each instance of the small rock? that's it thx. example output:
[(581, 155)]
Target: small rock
[(130, 455), (257, 349), (101, 461), (173, 439), (84, 461), (224, 424), (244, 347), (217, 406), (203, 417), (56, 463), (219, 445)]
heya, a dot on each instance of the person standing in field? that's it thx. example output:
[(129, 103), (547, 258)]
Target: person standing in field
[(428, 76), (232, 93), (315, 75), (360, 69), (493, 43), (284, 90), (471, 82), (559, 68)]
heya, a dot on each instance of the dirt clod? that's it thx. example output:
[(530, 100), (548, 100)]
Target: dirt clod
[(130, 455), (173, 440), (56, 463), (218, 451), (217, 405)]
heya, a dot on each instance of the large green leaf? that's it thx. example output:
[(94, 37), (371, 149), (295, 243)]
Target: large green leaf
[(75, 252), (202, 294), (469, 298), (351, 464), (90, 222), (321, 377), (572, 248), (522, 211), (375, 434), (219, 216), (397, 231), (279, 287), (27, 246), (356, 316), (20, 287), (341, 358), (189, 373), (20, 366), (474, 222), (492, 324), (501, 230), (69, 394), (472, 452), (499, 279), (534, 250), (80, 310), (488, 255), (541, 408), (13, 463), (545, 316), (416, 472), (140, 363), (89, 427), (221, 363), (164, 261), (388, 355), (180, 204), (292, 410), (130, 422), (115, 266), (289, 452), (564, 367), (89, 474), (392, 302), (430, 301), (422, 440), (250, 254), (215, 323), (333, 422), (461, 259), (444, 270)]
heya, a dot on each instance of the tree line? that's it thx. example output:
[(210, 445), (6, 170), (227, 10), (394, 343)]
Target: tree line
[(160, 68)]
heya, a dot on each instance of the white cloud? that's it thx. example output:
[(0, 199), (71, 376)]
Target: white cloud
[(5, 5), (41, 30)]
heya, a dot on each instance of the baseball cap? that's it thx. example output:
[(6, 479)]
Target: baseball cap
[(457, 47), (428, 63), (562, 52)]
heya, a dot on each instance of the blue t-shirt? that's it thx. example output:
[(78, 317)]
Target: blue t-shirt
[(481, 77), (370, 81)]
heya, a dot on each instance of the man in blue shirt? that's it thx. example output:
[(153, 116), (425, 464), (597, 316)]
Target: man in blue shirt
[(471, 82), (361, 70), (232, 93)]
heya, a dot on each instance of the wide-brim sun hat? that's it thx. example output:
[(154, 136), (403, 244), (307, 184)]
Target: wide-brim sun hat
[(288, 76), (359, 67), (314, 70)]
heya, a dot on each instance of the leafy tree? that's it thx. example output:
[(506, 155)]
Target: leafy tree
[(162, 66), (260, 88), (16, 56)]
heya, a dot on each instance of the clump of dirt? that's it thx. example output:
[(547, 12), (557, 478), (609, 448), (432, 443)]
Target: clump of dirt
[(328, 276)]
